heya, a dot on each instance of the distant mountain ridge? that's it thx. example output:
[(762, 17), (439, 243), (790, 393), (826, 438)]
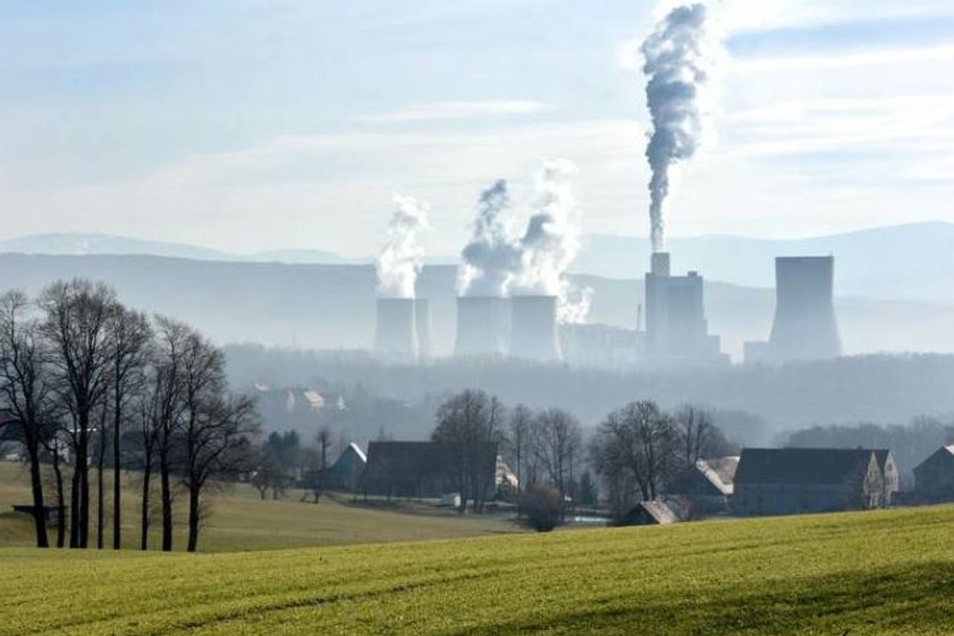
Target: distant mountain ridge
[(82, 244), (904, 262)]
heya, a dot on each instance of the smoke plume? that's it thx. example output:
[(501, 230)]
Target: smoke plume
[(677, 63), (491, 258), (402, 257)]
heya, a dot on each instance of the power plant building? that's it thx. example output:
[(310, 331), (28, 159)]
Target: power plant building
[(805, 327), (676, 326)]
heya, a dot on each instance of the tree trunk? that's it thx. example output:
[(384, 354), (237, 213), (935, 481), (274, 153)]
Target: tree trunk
[(75, 505), (39, 508), (144, 519), (60, 500), (101, 491), (166, 494), (193, 518), (117, 485)]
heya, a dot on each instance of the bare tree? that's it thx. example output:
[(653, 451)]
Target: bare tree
[(471, 423), (217, 440), (519, 431), (558, 439), (696, 434), (25, 392), (318, 480), (77, 314), (636, 444), (131, 336)]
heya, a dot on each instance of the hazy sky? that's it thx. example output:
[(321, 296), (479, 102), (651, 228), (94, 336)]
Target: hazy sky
[(257, 124)]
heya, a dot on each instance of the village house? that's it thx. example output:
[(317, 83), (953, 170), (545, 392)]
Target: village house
[(424, 470), (778, 481), (709, 484), (345, 473), (934, 477)]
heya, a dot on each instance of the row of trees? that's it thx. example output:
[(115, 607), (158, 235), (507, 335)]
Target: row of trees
[(639, 452), (89, 384)]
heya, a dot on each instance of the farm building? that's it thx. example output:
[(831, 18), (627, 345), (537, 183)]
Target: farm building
[(345, 473), (777, 481), (890, 474), (426, 469), (709, 484), (934, 477)]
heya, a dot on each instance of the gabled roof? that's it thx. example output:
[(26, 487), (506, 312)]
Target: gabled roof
[(800, 465), (720, 472), (422, 459), (881, 455), (360, 453), (660, 512)]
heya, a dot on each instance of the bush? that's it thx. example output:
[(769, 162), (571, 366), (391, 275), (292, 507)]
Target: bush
[(542, 507)]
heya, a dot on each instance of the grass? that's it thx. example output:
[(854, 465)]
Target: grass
[(240, 520), (886, 572)]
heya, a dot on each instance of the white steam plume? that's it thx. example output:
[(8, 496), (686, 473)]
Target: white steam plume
[(678, 61), (492, 258), (402, 257), (552, 241)]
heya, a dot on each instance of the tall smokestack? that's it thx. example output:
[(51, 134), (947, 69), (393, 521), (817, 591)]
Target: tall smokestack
[(396, 328), (805, 327), (481, 326), (422, 322), (534, 334)]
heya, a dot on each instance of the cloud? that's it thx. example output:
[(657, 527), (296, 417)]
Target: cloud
[(465, 110), (841, 61)]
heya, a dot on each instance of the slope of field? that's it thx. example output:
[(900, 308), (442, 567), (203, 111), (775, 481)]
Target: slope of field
[(239, 520), (863, 573)]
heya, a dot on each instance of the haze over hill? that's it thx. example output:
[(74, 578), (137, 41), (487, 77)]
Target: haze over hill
[(897, 262)]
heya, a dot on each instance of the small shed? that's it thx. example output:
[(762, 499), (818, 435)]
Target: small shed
[(650, 513)]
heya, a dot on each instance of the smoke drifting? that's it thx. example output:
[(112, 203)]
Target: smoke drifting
[(552, 238), (678, 66), (401, 258), (497, 263), (491, 258)]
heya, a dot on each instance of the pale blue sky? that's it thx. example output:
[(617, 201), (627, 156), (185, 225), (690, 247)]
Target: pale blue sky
[(258, 124)]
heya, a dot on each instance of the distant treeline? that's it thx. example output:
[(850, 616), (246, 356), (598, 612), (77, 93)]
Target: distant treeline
[(762, 400)]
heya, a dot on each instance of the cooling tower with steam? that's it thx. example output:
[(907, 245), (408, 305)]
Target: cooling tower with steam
[(805, 327), (396, 327), (482, 323), (422, 323), (534, 334)]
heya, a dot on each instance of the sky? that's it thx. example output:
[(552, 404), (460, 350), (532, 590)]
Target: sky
[(249, 125)]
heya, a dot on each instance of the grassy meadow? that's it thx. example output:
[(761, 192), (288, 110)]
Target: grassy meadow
[(239, 520), (889, 572)]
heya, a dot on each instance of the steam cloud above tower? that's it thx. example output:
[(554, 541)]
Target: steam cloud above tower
[(402, 257), (498, 263), (678, 62)]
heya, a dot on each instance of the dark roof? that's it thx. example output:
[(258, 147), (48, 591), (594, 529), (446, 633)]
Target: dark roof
[(422, 458), (800, 465), (881, 456)]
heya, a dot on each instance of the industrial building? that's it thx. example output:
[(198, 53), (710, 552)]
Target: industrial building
[(676, 326), (396, 328), (805, 327)]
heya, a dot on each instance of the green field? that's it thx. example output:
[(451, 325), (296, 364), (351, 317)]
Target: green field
[(862, 573), (239, 520)]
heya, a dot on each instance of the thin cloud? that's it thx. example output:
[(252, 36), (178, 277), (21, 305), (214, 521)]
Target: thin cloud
[(849, 60), (463, 110)]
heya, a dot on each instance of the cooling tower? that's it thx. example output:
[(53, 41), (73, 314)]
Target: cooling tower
[(422, 322), (396, 329), (534, 333), (481, 326), (804, 327)]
